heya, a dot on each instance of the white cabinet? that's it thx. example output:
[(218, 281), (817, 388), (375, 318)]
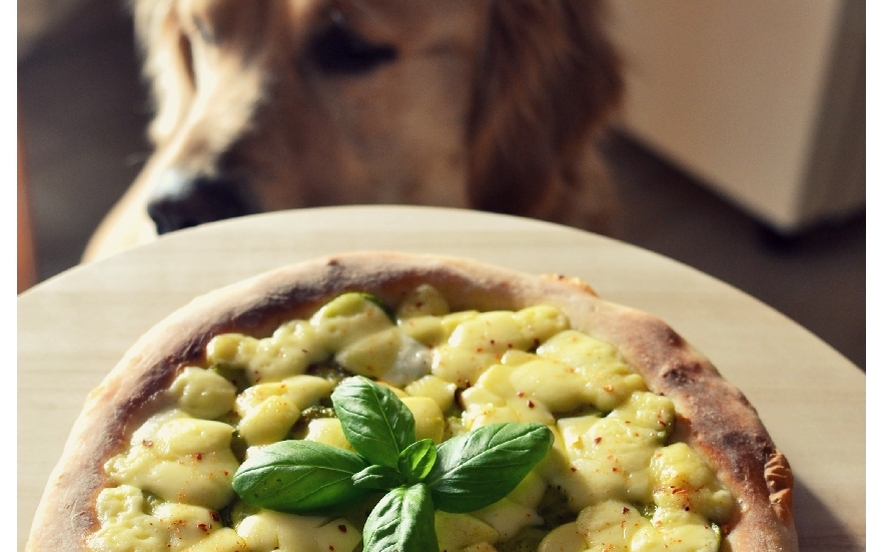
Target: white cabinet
[(764, 100)]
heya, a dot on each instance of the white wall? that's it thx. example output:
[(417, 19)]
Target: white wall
[(740, 93)]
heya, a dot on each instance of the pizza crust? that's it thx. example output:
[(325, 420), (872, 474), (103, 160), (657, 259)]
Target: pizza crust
[(714, 416)]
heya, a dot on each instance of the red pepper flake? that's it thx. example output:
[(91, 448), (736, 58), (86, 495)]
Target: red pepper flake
[(342, 528), (608, 387), (215, 516), (520, 394), (530, 404), (331, 547), (597, 440), (573, 469), (203, 527), (147, 443), (198, 456), (625, 510)]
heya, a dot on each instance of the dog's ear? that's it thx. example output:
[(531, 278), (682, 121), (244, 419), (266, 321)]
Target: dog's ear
[(167, 64), (547, 77)]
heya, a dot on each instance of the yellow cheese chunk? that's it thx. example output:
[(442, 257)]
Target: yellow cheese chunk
[(288, 352), (268, 410), (328, 431), (187, 525), (222, 540), (203, 393), (180, 459), (610, 526), (539, 323), (494, 398), (373, 355), (428, 420), (608, 380), (565, 538), (347, 319), (457, 531), (125, 527), (424, 300), (268, 531), (677, 531), (432, 387), (684, 481), (558, 386), (508, 517), (609, 458)]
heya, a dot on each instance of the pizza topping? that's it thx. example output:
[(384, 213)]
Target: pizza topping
[(169, 467), (267, 411), (465, 473), (614, 478)]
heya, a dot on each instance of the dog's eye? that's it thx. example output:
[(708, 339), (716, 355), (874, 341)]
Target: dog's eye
[(337, 50)]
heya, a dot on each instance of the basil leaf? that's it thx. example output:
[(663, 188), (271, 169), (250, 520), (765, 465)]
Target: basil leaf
[(299, 477), (479, 468), (375, 422), (403, 521), (378, 477), (417, 460)]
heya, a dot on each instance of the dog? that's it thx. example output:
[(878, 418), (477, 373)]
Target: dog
[(495, 105)]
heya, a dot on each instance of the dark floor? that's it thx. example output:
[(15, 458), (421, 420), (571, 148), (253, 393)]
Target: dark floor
[(85, 112)]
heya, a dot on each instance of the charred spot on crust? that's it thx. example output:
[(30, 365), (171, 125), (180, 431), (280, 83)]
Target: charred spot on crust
[(748, 451), (683, 373)]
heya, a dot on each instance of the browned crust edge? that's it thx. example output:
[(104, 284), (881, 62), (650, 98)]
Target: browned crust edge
[(720, 422)]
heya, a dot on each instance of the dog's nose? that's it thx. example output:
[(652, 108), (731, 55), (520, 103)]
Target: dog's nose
[(181, 201)]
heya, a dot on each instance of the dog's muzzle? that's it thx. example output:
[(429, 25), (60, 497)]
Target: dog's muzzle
[(182, 201)]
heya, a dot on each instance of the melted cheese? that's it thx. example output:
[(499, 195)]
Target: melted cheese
[(627, 487)]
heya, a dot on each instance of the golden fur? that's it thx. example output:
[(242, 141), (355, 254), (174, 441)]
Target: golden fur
[(486, 104)]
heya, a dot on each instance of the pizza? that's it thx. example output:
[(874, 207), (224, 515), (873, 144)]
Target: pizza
[(649, 447)]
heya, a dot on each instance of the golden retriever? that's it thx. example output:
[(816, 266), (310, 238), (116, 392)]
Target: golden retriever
[(274, 104)]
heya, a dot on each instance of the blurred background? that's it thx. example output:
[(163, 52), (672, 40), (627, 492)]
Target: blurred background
[(741, 149)]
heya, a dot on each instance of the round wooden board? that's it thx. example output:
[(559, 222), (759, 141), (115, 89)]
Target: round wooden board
[(73, 328)]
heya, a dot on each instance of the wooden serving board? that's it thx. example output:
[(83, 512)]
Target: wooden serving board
[(73, 328)]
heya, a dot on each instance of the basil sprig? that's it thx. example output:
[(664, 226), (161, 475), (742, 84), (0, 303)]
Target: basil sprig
[(463, 474)]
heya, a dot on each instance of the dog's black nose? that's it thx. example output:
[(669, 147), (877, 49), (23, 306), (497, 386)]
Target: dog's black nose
[(180, 201)]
